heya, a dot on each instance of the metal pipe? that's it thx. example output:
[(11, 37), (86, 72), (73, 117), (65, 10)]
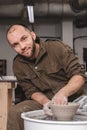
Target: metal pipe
[(56, 9), (78, 5), (48, 8)]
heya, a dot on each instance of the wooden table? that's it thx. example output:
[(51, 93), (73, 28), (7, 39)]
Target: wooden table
[(6, 88)]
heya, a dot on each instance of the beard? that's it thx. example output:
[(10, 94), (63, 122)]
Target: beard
[(33, 50), (29, 54)]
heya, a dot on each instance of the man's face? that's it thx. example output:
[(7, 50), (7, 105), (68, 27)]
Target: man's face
[(22, 40)]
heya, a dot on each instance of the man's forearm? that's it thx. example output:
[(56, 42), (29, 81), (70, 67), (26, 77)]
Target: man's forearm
[(40, 98), (74, 84)]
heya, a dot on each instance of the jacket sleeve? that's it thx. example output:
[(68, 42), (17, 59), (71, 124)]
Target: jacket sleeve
[(71, 62), (28, 87)]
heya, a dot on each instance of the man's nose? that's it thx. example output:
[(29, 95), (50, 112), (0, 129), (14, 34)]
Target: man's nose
[(22, 46)]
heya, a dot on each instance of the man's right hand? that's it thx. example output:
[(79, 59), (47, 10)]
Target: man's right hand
[(60, 99)]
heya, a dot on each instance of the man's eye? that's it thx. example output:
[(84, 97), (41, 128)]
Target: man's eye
[(15, 44), (23, 38)]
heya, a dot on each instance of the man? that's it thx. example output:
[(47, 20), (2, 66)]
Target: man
[(46, 71)]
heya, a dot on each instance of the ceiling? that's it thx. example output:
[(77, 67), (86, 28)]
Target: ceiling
[(43, 9), (7, 2)]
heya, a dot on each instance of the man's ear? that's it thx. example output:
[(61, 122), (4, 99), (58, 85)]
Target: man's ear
[(33, 35)]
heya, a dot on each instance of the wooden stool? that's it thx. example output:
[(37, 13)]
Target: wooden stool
[(5, 101)]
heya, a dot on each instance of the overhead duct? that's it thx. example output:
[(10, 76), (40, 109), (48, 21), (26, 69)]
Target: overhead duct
[(11, 11), (78, 5), (45, 8), (10, 2), (56, 8)]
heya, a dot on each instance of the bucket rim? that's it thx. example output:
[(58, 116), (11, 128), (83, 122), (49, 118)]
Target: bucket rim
[(24, 116)]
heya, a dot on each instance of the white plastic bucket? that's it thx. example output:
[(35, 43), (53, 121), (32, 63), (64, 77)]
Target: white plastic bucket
[(31, 123)]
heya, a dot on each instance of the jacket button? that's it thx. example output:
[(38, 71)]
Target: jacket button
[(36, 67)]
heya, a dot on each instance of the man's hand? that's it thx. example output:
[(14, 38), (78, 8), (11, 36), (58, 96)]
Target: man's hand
[(59, 99), (46, 108)]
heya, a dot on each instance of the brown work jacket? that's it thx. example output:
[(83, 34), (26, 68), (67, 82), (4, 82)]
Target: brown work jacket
[(53, 68)]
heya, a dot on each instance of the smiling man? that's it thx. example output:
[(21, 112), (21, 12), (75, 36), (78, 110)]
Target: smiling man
[(45, 70), (22, 40)]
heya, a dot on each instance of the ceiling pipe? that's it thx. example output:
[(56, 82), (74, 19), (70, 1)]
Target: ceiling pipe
[(78, 5), (56, 8), (10, 2), (47, 8)]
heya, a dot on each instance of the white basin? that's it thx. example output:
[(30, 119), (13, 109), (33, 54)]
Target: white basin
[(34, 120)]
